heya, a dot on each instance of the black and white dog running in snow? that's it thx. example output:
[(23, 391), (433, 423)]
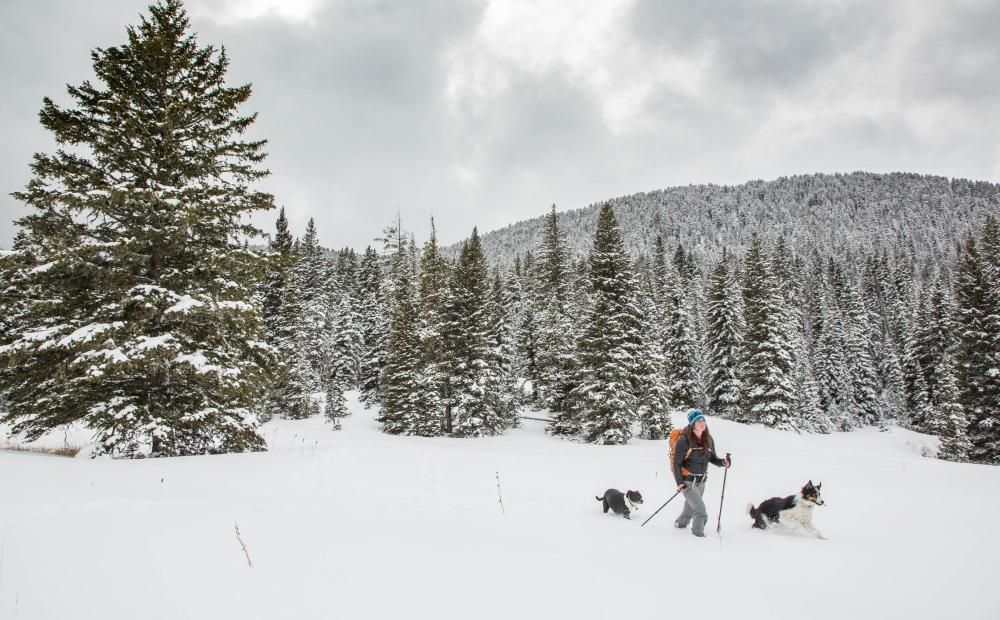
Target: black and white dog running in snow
[(795, 509), (622, 504)]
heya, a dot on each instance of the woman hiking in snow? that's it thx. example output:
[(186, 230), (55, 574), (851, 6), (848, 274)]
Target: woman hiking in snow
[(692, 452)]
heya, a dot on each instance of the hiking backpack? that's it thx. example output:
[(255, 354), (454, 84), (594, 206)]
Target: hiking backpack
[(675, 434)]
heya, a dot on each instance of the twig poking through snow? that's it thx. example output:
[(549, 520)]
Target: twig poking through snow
[(242, 544), (500, 495)]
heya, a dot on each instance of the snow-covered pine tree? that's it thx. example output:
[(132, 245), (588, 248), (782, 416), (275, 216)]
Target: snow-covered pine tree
[(527, 338), (470, 412), (343, 322), (502, 389), (985, 431), (554, 341), (607, 357), (768, 396), (654, 396), (370, 302), (136, 318), (279, 263), (866, 408), (933, 337), (952, 422), (833, 388), (312, 276), (435, 273), (400, 412), (293, 392), (680, 352), (916, 402), (725, 335), (973, 351)]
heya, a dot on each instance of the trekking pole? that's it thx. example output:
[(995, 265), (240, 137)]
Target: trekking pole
[(661, 508), (718, 527)]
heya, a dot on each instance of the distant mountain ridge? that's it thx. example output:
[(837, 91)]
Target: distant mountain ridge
[(841, 214)]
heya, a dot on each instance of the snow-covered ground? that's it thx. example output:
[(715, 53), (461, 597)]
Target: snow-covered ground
[(357, 524)]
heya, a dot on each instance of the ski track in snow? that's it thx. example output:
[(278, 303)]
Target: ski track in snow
[(357, 524)]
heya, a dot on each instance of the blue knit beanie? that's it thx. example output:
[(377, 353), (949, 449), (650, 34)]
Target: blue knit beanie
[(695, 415)]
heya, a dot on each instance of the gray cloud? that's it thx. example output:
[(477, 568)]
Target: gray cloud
[(484, 114)]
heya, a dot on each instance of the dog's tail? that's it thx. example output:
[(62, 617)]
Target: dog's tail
[(600, 499)]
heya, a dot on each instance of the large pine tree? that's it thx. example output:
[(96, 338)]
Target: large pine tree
[(132, 273), (371, 308), (279, 264), (471, 409), (985, 423), (400, 409), (768, 395), (553, 327), (607, 349), (725, 336)]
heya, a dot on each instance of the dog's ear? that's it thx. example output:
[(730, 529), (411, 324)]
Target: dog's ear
[(809, 484), (819, 486)]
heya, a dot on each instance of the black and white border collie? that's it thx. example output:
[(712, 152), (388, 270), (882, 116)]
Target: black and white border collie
[(621, 503), (792, 509)]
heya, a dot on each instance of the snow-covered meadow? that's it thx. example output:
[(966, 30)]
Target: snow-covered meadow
[(358, 524)]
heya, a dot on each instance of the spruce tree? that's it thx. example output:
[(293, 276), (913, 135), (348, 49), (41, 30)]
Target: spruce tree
[(973, 346), (955, 444), (680, 351), (607, 356), (435, 273), (768, 396), (134, 278), (553, 325), (369, 300), (725, 335), (865, 388), (399, 384), (279, 263), (527, 337), (985, 427), (502, 383), (471, 407), (293, 392)]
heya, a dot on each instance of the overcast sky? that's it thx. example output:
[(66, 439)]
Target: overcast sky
[(486, 113)]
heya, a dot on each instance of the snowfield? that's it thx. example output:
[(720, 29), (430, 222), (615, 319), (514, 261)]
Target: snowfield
[(357, 524)]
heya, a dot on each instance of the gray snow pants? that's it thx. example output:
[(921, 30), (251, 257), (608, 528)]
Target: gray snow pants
[(694, 508)]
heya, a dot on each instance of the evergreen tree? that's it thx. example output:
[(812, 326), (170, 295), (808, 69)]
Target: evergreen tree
[(471, 408), (955, 444), (502, 387), (292, 396), (915, 397), (865, 388), (134, 294), (680, 351), (607, 356), (280, 260), (767, 356), (527, 338), (433, 380), (725, 334), (399, 384), (312, 276), (554, 340), (370, 306), (985, 425), (833, 388)]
